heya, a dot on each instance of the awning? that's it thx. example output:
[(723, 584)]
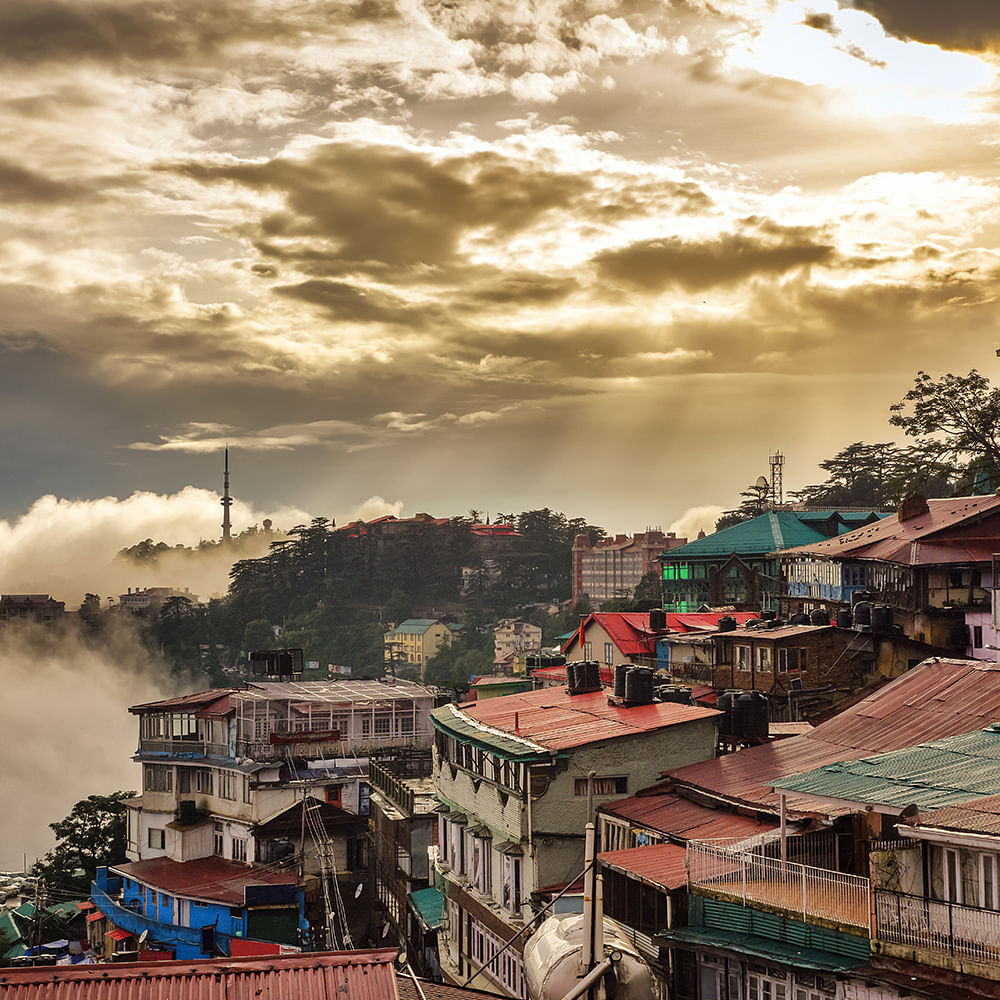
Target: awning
[(428, 906), (509, 847), (482, 832), (96, 915), (760, 947), (458, 818), (118, 934)]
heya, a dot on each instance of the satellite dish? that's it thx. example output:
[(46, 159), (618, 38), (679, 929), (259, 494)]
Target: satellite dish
[(143, 936), (762, 483)]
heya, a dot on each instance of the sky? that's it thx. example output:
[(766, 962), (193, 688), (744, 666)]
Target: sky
[(435, 256)]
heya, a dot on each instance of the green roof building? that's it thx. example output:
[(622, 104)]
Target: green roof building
[(737, 567)]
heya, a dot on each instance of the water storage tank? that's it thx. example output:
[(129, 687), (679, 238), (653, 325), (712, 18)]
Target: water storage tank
[(750, 716), (799, 619), (863, 613), (620, 671), (552, 960), (819, 617), (844, 618), (881, 618), (727, 623), (657, 619), (767, 616), (724, 704), (572, 676), (588, 676), (675, 693), (639, 686)]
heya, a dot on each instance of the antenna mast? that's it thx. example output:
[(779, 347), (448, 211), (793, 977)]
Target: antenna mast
[(226, 501), (777, 460)]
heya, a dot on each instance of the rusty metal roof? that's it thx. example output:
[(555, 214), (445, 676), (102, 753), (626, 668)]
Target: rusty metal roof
[(683, 819), (211, 879), (191, 702), (977, 816), (553, 719), (660, 865), (351, 975), (938, 698), (945, 533)]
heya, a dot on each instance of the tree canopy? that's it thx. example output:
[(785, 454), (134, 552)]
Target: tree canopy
[(92, 835)]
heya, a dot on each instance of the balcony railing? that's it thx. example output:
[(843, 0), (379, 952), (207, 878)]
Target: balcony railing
[(199, 748), (916, 922), (749, 875)]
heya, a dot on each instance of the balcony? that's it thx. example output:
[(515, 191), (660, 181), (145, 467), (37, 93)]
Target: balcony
[(729, 870), (184, 748), (913, 922)]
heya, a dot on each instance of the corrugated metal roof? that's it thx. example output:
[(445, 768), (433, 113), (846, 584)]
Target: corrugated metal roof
[(938, 698), (760, 535), (352, 975), (976, 816), (199, 699), (553, 719), (926, 539), (930, 775), (414, 626), (205, 878), (685, 820), (661, 865)]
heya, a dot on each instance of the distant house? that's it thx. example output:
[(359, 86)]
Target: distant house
[(737, 566), (18, 610), (513, 640), (152, 598), (414, 641), (615, 566)]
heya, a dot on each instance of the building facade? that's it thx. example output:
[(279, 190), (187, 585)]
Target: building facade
[(614, 567), (413, 642)]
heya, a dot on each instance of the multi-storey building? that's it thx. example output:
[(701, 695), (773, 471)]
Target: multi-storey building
[(517, 778), (32, 609), (152, 598), (238, 783), (414, 641), (615, 566), (513, 641)]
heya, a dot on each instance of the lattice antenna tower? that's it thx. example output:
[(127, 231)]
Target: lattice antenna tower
[(777, 461)]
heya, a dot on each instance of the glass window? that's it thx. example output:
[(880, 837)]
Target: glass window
[(156, 838)]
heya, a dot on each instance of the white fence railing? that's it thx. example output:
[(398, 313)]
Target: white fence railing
[(915, 922), (746, 873)]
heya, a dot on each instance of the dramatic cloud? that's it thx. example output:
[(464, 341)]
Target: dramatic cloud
[(447, 252)]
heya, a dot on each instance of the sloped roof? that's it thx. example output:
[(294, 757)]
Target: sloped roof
[(631, 633), (922, 540), (552, 719), (931, 775), (976, 816), (210, 879), (779, 529), (938, 698), (415, 626), (192, 702), (683, 819), (659, 865), (347, 975)]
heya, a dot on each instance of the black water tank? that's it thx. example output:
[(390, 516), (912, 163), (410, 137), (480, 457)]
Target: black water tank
[(819, 617), (863, 613), (555, 660), (589, 678), (657, 619), (725, 705), (881, 618), (620, 671), (799, 618), (727, 623), (768, 616), (750, 719), (675, 693), (639, 686), (844, 618)]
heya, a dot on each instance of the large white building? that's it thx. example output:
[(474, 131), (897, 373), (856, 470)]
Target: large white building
[(515, 778)]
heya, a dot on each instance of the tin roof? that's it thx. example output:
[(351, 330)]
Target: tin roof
[(552, 719), (192, 702), (938, 698), (414, 626), (210, 879), (934, 537), (780, 529), (341, 692), (351, 975), (683, 819), (975, 816), (631, 633), (931, 775), (660, 865)]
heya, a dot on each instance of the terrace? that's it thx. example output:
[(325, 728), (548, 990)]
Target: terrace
[(749, 874)]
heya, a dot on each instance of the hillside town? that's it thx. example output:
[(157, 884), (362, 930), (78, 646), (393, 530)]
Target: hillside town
[(779, 782)]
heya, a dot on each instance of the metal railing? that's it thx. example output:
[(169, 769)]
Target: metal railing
[(197, 747), (917, 922), (744, 872)]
